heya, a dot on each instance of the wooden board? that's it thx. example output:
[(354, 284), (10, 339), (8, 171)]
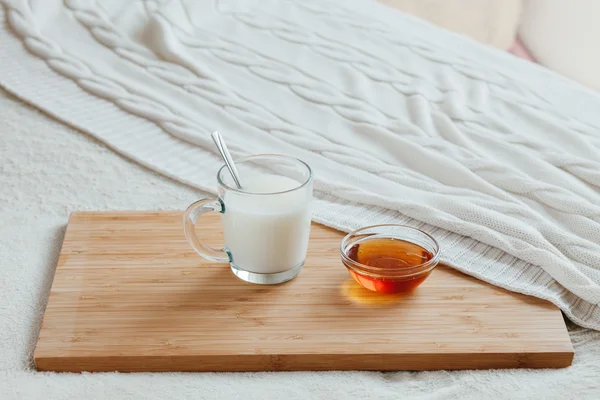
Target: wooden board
[(129, 294)]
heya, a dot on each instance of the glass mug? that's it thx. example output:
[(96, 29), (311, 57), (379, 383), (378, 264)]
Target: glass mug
[(266, 223)]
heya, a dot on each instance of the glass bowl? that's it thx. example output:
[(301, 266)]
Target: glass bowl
[(389, 258)]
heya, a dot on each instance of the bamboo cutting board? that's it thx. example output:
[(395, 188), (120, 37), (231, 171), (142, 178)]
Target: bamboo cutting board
[(129, 294)]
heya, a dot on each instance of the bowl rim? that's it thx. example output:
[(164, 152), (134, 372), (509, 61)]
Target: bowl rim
[(384, 272)]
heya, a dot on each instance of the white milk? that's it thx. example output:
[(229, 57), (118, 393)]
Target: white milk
[(267, 233)]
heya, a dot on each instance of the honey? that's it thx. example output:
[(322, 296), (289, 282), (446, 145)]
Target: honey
[(389, 264)]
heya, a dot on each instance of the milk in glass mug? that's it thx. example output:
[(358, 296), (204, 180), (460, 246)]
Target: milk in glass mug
[(266, 223)]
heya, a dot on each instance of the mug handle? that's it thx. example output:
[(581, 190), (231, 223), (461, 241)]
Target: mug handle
[(190, 217)]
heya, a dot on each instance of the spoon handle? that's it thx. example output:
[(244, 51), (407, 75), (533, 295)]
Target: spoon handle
[(218, 139)]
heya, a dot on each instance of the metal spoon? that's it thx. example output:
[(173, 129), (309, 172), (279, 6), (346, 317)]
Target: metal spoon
[(218, 139)]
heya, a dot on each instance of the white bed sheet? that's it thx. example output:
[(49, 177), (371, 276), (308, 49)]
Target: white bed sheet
[(48, 170)]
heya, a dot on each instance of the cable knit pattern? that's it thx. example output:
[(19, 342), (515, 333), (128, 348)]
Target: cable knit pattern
[(401, 122)]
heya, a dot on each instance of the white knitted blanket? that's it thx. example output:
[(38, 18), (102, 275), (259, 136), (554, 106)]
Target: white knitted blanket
[(402, 122)]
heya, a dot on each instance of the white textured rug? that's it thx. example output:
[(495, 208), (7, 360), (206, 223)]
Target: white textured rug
[(47, 171), (400, 121)]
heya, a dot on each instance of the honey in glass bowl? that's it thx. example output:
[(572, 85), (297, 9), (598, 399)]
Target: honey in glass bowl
[(389, 258)]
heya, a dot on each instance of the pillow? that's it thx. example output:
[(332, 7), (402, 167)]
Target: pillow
[(521, 51), (493, 22), (564, 35)]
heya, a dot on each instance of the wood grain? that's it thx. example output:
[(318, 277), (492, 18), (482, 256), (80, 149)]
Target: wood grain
[(129, 294)]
